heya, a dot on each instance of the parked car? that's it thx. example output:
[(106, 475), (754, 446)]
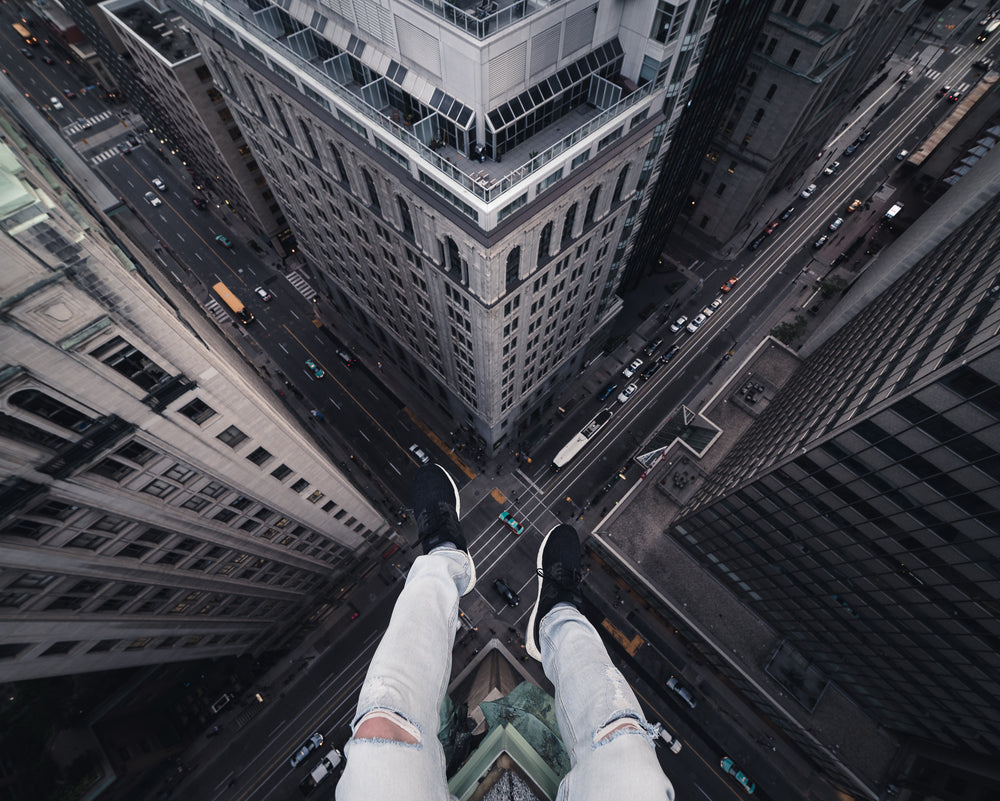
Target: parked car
[(506, 592), (652, 346), (787, 213), (263, 294), (348, 358), (695, 324), (199, 203), (315, 741), (771, 227), (902, 154), (863, 136), (666, 357), (606, 392), (630, 371), (837, 222), (627, 393), (682, 691), (327, 764), (679, 323), (646, 374), (508, 520), (808, 191), (715, 304), (726, 287), (831, 168), (756, 243), (729, 767), (849, 150), (317, 371), (853, 206), (418, 452), (820, 242)]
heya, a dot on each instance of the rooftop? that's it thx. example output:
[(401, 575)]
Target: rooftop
[(164, 32)]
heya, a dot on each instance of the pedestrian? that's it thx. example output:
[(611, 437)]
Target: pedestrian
[(394, 751)]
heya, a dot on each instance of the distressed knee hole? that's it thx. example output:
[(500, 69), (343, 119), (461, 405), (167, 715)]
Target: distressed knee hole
[(381, 724), (608, 731)]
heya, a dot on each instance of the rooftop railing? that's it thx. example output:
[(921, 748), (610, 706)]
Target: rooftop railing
[(486, 189)]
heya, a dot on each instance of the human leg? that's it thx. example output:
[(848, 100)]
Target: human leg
[(394, 751), (609, 741)]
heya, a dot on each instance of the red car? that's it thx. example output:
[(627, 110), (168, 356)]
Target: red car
[(729, 284), (771, 227)]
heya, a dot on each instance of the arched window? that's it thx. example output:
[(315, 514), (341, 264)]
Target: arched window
[(567, 232), (454, 259), (42, 405), (588, 218), (404, 215), (513, 265), (340, 165), (620, 184), (372, 194), (543, 242)]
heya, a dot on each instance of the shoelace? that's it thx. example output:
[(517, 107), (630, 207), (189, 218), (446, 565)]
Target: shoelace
[(436, 520), (562, 578)]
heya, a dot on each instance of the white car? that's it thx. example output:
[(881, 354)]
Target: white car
[(263, 294), (708, 311), (695, 324), (416, 451), (627, 393), (315, 741), (832, 168), (672, 742), (158, 183), (677, 326), (153, 199), (808, 191), (56, 103), (837, 222), (630, 371), (715, 304)]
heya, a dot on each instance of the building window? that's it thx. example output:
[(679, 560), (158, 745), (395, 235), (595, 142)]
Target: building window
[(259, 456), (241, 503), (232, 436), (281, 472), (136, 452), (195, 504), (770, 92), (68, 602), (213, 490), (299, 485), (793, 57), (179, 473), (372, 194), (55, 510), (62, 647), (154, 535), (159, 489), (831, 13), (340, 165), (720, 190), (133, 551), (26, 529), (588, 217), (316, 497), (42, 405), (224, 515), (404, 216), (111, 469), (620, 184), (197, 411), (567, 231), (513, 265), (87, 541), (544, 239), (130, 362), (103, 645), (111, 524)]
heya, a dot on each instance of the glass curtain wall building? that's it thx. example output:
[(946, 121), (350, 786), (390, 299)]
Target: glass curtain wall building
[(860, 514)]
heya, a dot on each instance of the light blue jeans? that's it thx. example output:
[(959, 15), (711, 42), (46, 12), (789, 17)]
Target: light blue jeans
[(409, 676)]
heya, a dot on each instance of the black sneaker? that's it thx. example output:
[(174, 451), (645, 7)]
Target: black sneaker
[(436, 508), (559, 580)]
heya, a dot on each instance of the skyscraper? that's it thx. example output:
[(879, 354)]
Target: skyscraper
[(860, 514), (466, 178), (156, 501)]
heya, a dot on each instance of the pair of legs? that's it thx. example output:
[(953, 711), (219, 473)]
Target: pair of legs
[(395, 753)]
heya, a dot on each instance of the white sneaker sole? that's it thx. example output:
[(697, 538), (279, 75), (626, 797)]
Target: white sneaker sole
[(458, 514), (530, 645)]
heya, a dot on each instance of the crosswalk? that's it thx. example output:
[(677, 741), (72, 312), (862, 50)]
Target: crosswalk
[(78, 126), (104, 155), (301, 285), (934, 75), (219, 313)]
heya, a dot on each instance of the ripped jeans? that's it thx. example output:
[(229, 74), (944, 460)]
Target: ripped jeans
[(609, 741)]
